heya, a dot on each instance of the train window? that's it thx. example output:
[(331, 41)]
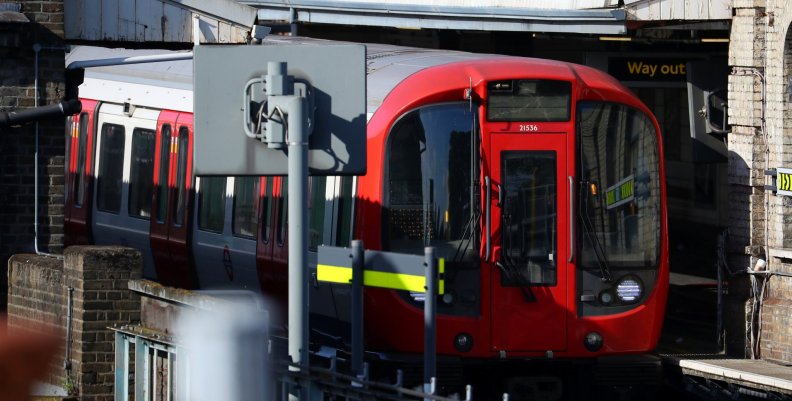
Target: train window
[(181, 175), (529, 100), (283, 211), (82, 150), (620, 169), (266, 212), (164, 168), (316, 211), (246, 197), (141, 173), (429, 181), (344, 225), (211, 204), (111, 169), (529, 217)]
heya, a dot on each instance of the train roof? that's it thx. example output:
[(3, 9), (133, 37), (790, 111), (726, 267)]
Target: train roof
[(169, 84), (165, 85)]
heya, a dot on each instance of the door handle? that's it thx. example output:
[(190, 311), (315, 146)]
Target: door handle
[(500, 195), (487, 222), (571, 219)]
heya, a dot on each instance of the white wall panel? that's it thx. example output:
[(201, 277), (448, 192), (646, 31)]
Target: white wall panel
[(126, 20), (658, 10), (222, 21)]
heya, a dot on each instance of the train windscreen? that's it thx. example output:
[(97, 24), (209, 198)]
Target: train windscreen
[(619, 196), (428, 192)]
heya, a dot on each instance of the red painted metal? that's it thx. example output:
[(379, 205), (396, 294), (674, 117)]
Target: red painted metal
[(77, 216)]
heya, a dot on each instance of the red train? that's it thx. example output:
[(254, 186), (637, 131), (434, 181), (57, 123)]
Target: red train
[(540, 182)]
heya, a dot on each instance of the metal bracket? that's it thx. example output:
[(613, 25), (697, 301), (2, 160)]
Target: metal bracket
[(274, 101)]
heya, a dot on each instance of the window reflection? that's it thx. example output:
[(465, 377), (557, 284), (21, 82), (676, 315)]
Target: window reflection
[(529, 217), (428, 190), (619, 172)]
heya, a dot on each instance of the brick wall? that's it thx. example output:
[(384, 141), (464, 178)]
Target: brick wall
[(760, 54), (97, 278), (746, 145), (18, 59)]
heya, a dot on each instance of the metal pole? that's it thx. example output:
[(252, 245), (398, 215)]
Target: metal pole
[(357, 307), (298, 233), (152, 58), (430, 309)]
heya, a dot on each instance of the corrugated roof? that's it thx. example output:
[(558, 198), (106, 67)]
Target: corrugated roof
[(564, 18)]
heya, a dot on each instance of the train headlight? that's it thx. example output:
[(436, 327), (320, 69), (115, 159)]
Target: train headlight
[(629, 290), (592, 341), (463, 342)]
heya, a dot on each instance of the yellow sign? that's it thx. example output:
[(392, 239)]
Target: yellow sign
[(621, 193), (382, 279), (784, 181)]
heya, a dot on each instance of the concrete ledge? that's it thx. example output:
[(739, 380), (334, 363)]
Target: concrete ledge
[(207, 300), (152, 289), (780, 253), (746, 372)]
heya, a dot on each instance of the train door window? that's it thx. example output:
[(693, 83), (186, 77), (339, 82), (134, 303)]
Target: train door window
[(72, 122), (246, 194), (529, 217), (266, 211), (620, 220), (141, 172), (428, 190), (283, 211), (316, 211), (211, 203), (345, 212), (164, 150), (82, 150), (181, 176), (111, 169)]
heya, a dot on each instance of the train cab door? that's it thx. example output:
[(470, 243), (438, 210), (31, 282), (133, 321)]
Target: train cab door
[(79, 174), (170, 221), (529, 206)]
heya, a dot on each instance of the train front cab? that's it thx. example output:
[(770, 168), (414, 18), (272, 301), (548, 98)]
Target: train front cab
[(544, 194)]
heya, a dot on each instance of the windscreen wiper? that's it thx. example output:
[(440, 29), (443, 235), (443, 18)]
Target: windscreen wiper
[(588, 229), (467, 235)]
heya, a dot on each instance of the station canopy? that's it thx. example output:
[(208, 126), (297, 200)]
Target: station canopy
[(601, 17)]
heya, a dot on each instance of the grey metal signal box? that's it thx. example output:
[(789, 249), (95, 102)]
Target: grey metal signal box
[(230, 84)]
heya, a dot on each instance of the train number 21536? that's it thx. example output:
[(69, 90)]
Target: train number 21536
[(528, 128)]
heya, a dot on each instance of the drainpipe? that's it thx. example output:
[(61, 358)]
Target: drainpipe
[(37, 49)]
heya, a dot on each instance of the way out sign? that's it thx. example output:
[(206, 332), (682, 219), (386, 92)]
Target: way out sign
[(381, 269)]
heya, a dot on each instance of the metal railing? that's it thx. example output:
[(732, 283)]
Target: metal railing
[(146, 370)]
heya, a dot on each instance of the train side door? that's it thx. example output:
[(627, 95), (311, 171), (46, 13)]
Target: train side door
[(170, 222), (529, 222), (79, 175), (124, 165)]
